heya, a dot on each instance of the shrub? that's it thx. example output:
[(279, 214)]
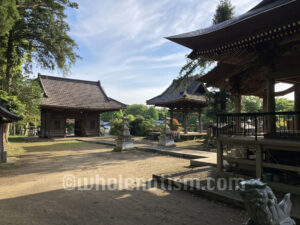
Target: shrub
[(116, 126), (140, 126)]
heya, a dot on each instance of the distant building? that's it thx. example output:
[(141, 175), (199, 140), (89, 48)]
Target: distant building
[(80, 100)]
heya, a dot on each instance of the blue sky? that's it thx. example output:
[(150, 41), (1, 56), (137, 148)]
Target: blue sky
[(122, 43)]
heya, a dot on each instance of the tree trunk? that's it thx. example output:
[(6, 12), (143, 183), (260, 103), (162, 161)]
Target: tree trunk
[(9, 63), (5, 132), (8, 78)]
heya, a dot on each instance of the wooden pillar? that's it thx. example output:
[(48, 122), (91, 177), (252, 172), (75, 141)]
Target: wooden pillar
[(219, 156), (98, 121), (297, 106), (200, 121), (237, 109), (185, 122), (265, 109), (172, 117), (271, 126), (259, 161)]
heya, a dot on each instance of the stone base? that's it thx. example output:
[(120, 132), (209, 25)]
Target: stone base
[(3, 157), (124, 146), (166, 142)]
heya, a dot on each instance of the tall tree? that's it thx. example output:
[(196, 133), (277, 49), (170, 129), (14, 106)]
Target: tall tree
[(218, 99), (8, 15), (224, 11), (38, 34)]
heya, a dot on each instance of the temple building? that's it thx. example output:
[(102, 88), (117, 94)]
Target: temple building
[(183, 97), (5, 117), (80, 100), (254, 51)]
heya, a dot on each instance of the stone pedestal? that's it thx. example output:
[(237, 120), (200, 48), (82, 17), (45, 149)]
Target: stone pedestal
[(166, 136), (124, 140)]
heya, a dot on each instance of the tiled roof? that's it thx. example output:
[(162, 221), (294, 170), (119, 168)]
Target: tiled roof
[(181, 92), (270, 19), (7, 115), (76, 94)]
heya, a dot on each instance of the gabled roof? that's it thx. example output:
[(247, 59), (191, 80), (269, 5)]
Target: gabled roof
[(76, 94), (180, 93), (270, 19), (8, 116)]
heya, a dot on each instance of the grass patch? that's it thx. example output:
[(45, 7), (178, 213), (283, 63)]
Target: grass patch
[(6, 166), (14, 150), (17, 146)]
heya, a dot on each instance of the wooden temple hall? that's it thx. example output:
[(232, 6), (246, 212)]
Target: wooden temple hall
[(183, 98), (79, 100), (254, 51)]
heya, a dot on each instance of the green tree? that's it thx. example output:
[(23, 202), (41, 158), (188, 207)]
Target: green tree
[(162, 113), (37, 32), (140, 126), (116, 126), (284, 105), (108, 116), (137, 109), (224, 11), (218, 99), (252, 104), (151, 113), (39, 35), (8, 15)]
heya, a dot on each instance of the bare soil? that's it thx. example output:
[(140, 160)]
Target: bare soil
[(32, 192)]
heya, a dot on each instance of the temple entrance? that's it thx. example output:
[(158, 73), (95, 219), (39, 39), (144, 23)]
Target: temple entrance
[(70, 127), (78, 128)]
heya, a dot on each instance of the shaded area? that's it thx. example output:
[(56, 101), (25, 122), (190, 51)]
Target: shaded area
[(116, 207)]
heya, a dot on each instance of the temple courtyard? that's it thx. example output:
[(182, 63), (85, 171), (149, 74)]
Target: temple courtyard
[(32, 187)]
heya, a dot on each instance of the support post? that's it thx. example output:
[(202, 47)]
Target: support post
[(2, 152), (271, 105), (172, 117), (200, 121), (219, 156), (237, 108), (185, 122), (265, 109), (297, 106), (259, 161)]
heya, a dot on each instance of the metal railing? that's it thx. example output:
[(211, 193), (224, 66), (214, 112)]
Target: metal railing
[(276, 124)]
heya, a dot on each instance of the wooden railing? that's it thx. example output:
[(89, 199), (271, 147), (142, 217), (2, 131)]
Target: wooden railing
[(276, 124)]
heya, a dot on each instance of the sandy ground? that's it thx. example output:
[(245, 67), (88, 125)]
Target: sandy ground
[(33, 192)]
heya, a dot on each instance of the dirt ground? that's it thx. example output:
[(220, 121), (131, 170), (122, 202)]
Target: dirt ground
[(33, 193)]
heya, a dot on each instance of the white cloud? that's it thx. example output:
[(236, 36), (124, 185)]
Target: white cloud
[(122, 42)]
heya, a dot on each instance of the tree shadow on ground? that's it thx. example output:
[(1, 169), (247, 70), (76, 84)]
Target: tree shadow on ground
[(152, 206), (60, 157)]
